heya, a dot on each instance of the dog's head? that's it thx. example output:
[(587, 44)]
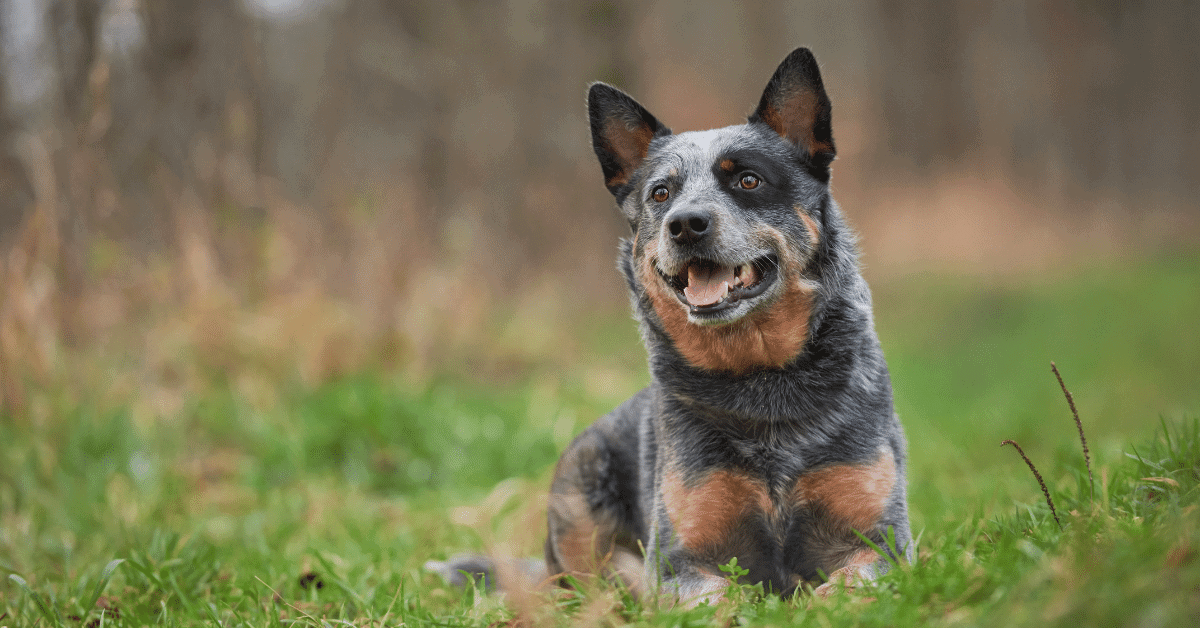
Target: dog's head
[(725, 222)]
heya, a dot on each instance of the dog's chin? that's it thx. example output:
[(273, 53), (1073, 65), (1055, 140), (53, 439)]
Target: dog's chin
[(754, 284)]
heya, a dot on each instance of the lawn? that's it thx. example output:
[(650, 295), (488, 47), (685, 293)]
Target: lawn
[(319, 506)]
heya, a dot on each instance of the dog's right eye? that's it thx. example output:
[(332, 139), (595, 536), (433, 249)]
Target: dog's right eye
[(660, 194)]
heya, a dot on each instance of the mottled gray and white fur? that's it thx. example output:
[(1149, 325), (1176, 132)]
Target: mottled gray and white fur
[(767, 432)]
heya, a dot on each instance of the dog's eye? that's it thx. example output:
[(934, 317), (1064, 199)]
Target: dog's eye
[(660, 194), (749, 182)]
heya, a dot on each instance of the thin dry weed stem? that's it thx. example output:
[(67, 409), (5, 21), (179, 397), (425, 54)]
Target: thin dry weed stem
[(1045, 491), (1087, 458)]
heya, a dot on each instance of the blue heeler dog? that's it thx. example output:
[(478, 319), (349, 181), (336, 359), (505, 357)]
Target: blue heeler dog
[(767, 433)]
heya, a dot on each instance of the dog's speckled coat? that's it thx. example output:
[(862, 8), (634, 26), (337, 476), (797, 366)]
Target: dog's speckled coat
[(767, 433)]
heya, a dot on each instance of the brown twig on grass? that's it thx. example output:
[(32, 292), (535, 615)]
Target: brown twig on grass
[(1045, 491), (1087, 457)]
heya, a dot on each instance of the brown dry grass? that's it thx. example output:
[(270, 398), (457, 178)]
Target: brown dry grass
[(253, 302), (242, 286), (281, 293)]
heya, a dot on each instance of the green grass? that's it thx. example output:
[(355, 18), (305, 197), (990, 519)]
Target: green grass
[(320, 508)]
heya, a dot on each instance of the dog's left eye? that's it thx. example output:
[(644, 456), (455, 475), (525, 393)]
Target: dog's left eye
[(749, 182), (660, 194)]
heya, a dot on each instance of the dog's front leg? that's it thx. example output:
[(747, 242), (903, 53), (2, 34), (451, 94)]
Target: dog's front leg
[(701, 523)]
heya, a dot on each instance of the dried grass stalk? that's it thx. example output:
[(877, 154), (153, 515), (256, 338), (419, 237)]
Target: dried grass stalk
[(1045, 491), (1087, 457)]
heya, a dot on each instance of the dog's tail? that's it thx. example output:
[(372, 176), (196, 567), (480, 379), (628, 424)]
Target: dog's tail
[(491, 574)]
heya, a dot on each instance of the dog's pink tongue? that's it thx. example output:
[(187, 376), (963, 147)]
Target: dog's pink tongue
[(706, 286)]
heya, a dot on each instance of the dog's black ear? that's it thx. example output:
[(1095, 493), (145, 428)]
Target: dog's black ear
[(795, 105), (621, 134)]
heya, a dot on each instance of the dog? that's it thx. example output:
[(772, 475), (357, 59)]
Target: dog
[(767, 433)]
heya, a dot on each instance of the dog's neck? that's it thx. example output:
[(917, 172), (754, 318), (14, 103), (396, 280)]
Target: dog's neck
[(821, 381)]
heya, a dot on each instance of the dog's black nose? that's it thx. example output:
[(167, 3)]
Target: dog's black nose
[(689, 225)]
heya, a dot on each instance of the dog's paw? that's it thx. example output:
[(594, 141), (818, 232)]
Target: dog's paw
[(844, 579), (829, 588)]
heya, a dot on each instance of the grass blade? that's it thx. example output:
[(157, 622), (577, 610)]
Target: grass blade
[(892, 557), (341, 584), (105, 576), (49, 613)]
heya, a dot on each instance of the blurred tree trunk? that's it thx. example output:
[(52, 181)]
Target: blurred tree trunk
[(16, 189), (928, 113), (199, 59), (73, 28)]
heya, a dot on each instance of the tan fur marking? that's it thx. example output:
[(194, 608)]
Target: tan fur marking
[(726, 165), (629, 145), (769, 338), (814, 232), (703, 515), (586, 547), (771, 116), (854, 494), (582, 546), (793, 117)]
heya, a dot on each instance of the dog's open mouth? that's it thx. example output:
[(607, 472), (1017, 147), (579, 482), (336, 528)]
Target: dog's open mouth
[(706, 286)]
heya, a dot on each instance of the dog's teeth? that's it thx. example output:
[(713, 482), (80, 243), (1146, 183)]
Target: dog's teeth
[(744, 273), (749, 274)]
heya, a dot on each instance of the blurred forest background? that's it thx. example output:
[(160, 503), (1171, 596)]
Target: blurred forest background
[(275, 189)]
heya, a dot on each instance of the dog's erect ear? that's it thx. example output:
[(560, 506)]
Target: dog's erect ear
[(621, 134), (795, 105)]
